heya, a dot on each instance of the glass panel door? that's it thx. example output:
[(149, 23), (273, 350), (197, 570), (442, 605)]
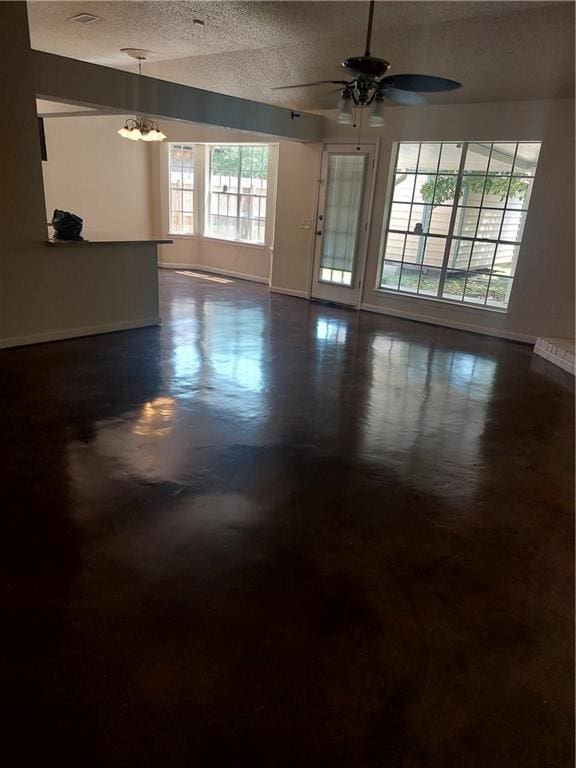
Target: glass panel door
[(341, 235), (342, 217)]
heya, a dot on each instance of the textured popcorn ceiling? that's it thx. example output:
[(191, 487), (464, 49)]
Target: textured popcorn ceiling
[(498, 50)]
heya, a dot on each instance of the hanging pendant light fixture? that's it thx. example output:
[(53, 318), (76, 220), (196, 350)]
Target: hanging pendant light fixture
[(140, 128)]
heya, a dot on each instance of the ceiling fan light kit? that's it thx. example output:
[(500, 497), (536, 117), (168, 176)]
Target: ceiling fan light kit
[(345, 112), (140, 128), (372, 87), (376, 119)]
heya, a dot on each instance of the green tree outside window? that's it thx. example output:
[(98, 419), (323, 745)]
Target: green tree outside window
[(497, 185)]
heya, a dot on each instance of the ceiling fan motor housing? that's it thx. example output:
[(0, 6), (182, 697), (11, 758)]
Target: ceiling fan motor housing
[(370, 86), (369, 66)]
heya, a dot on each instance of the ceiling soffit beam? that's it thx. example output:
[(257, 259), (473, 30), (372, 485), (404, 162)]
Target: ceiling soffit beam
[(63, 79), (78, 113)]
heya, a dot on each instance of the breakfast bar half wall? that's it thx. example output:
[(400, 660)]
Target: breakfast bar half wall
[(54, 290), (89, 287)]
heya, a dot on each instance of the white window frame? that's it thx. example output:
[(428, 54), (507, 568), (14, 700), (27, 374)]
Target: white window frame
[(208, 191), (182, 145), (201, 191), (450, 237)]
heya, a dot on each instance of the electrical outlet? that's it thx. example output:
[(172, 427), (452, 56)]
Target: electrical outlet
[(556, 309), (306, 224)]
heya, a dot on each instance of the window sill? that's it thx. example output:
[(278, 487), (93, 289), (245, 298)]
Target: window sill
[(443, 302), (212, 239)]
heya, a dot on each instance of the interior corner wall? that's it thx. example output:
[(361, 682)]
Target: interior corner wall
[(542, 299), (279, 261), (103, 178)]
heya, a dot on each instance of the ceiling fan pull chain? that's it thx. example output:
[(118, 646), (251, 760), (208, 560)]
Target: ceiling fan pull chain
[(359, 130)]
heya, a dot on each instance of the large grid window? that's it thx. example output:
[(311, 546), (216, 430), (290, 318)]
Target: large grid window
[(237, 178), (181, 165), (456, 220)]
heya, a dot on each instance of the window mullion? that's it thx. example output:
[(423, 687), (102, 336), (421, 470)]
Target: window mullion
[(250, 211), (491, 274), (512, 167), (452, 224), (199, 189), (181, 195), (239, 199)]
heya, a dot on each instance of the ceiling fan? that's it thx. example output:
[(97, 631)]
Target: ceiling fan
[(369, 86)]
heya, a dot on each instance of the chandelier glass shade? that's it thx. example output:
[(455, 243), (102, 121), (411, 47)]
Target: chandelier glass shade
[(141, 129)]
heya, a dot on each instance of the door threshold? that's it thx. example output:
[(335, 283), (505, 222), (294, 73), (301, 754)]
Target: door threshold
[(337, 304)]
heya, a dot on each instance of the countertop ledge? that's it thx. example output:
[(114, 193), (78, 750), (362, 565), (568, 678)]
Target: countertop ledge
[(82, 243)]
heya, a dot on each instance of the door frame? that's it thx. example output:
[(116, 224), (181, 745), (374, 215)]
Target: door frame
[(368, 204)]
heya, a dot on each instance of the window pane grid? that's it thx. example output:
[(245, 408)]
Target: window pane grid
[(425, 211), (237, 192), (493, 184)]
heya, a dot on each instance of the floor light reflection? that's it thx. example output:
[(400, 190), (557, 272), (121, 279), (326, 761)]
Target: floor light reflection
[(202, 276)]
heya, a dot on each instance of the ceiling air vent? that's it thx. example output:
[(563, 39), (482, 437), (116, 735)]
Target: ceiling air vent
[(85, 18)]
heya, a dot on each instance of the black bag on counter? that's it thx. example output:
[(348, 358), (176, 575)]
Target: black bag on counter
[(67, 226)]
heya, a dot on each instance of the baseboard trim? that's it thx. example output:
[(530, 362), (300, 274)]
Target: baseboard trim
[(457, 326), (216, 271), (289, 292), (73, 333), (176, 265)]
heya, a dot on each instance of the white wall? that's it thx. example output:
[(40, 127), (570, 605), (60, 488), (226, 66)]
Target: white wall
[(542, 300), (298, 174), (95, 173)]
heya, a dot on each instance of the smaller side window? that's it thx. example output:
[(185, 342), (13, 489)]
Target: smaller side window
[(181, 169)]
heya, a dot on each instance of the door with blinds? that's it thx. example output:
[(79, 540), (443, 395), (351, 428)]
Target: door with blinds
[(342, 223)]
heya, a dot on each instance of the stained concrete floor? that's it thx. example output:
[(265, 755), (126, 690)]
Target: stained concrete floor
[(280, 534)]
